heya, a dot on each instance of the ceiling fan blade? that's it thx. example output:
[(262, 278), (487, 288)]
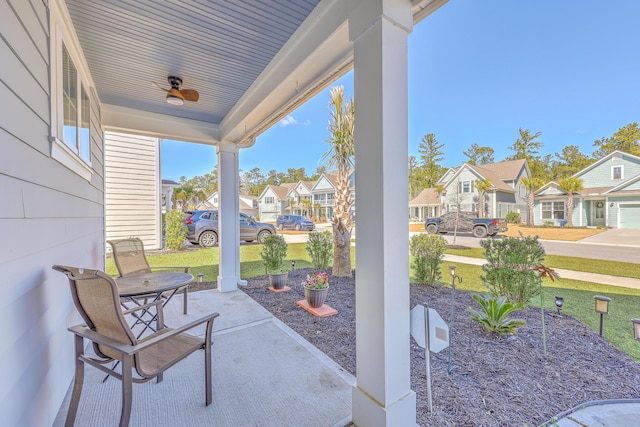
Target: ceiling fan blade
[(190, 95), (175, 92), (166, 90)]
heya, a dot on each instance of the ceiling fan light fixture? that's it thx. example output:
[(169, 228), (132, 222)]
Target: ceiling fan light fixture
[(174, 100)]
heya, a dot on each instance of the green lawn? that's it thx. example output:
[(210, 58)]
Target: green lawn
[(578, 295)]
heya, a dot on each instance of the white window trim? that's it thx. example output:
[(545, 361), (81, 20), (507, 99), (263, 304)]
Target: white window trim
[(61, 31), (564, 210), (621, 172)]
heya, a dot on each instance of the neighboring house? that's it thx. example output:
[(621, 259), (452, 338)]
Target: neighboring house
[(248, 204), (425, 205), (273, 201), (506, 193), (610, 195), (168, 186), (301, 199), (324, 193)]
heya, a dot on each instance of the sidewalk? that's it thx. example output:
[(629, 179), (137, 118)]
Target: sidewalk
[(604, 279)]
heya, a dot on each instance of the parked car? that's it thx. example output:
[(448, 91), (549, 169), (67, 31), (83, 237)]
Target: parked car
[(202, 228), (295, 222), (465, 222)]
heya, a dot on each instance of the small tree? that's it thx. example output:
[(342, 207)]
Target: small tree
[(509, 270), (482, 185), (427, 251), (320, 249), (531, 185), (175, 230), (274, 251)]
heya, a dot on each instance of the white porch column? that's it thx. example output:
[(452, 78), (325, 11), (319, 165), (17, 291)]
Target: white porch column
[(228, 213), (382, 395)]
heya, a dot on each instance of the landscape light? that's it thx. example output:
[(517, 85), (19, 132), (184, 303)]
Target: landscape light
[(602, 307), (636, 329), (452, 270), (293, 264), (559, 303)]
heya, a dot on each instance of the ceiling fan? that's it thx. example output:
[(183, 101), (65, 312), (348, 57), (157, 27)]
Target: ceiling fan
[(177, 96)]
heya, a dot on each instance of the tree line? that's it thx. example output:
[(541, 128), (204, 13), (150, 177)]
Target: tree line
[(427, 169)]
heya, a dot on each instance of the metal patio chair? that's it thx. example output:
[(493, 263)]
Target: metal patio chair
[(95, 295), (130, 259)]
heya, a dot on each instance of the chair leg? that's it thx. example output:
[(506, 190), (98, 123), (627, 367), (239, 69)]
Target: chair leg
[(184, 303), (77, 383), (127, 391), (207, 373)]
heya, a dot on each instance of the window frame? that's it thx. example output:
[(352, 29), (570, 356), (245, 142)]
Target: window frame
[(613, 174), (553, 210), (62, 39)]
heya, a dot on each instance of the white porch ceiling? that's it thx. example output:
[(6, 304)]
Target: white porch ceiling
[(251, 61)]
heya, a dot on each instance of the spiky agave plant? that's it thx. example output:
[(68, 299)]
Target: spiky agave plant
[(494, 314)]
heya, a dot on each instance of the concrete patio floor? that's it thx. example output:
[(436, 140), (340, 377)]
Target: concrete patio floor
[(264, 374)]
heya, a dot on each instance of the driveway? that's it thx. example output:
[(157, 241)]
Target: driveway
[(616, 236)]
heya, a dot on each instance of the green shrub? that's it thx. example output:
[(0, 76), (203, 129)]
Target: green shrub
[(175, 231), (274, 250), (493, 315), (427, 251), (512, 217), (509, 268), (320, 249)]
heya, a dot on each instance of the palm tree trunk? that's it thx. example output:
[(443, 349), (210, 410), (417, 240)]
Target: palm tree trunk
[(341, 249)]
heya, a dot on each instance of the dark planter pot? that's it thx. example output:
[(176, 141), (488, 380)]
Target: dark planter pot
[(278, 281), (315, 297)]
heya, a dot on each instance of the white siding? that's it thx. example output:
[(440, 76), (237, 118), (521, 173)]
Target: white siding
[(48, 215), (132, 188)]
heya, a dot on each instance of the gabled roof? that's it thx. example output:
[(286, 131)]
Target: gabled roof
[(604, 159), (497, 182), (624, 184), (428, 196), (506, 170)]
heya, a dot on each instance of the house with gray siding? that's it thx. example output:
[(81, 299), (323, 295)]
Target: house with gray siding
[(610, 195), (506, 193), (73, 71)]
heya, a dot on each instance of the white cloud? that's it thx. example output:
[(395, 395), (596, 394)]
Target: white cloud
[(290, 120)]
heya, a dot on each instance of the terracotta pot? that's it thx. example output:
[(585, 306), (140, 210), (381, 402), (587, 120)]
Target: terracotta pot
[(278, 281), (315, 297)]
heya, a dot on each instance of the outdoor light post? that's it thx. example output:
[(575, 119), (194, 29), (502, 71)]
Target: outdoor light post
[(452, 271), (559, 303), (636, 329), (602, 307)]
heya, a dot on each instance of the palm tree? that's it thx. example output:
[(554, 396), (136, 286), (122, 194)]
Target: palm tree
[(531, 185), (441, 190), (482, 185), (188, 195), (571, 185), (341, 156)]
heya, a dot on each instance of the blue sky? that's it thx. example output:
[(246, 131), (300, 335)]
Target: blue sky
[(479, 71)]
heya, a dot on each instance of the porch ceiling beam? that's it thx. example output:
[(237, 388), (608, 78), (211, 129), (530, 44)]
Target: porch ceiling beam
[(129, 120)]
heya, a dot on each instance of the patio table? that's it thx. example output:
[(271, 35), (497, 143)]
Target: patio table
[(135, 287)]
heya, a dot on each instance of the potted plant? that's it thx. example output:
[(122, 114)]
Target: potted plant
[(316, 287), (274, 250)]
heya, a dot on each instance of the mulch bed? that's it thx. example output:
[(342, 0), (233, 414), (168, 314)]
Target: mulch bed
[(496, 381)]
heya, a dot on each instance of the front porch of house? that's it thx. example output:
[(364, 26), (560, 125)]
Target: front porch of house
[(262, 370)]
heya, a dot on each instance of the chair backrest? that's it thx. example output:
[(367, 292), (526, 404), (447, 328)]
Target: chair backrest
[(129, 256), (95, 295)]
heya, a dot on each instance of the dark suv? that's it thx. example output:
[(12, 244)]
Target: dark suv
[(296, 222), (202, 228)]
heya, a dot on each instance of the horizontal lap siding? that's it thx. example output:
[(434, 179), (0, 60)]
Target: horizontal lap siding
[(48, 215), (132, 195)]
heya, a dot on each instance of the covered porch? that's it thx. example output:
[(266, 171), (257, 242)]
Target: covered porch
[(76, 69)]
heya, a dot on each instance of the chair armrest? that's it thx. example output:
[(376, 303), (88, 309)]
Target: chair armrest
[(85, 332), (164, 335), (180, 267)]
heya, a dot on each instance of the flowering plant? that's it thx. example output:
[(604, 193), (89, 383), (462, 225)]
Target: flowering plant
[(317, 281)]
